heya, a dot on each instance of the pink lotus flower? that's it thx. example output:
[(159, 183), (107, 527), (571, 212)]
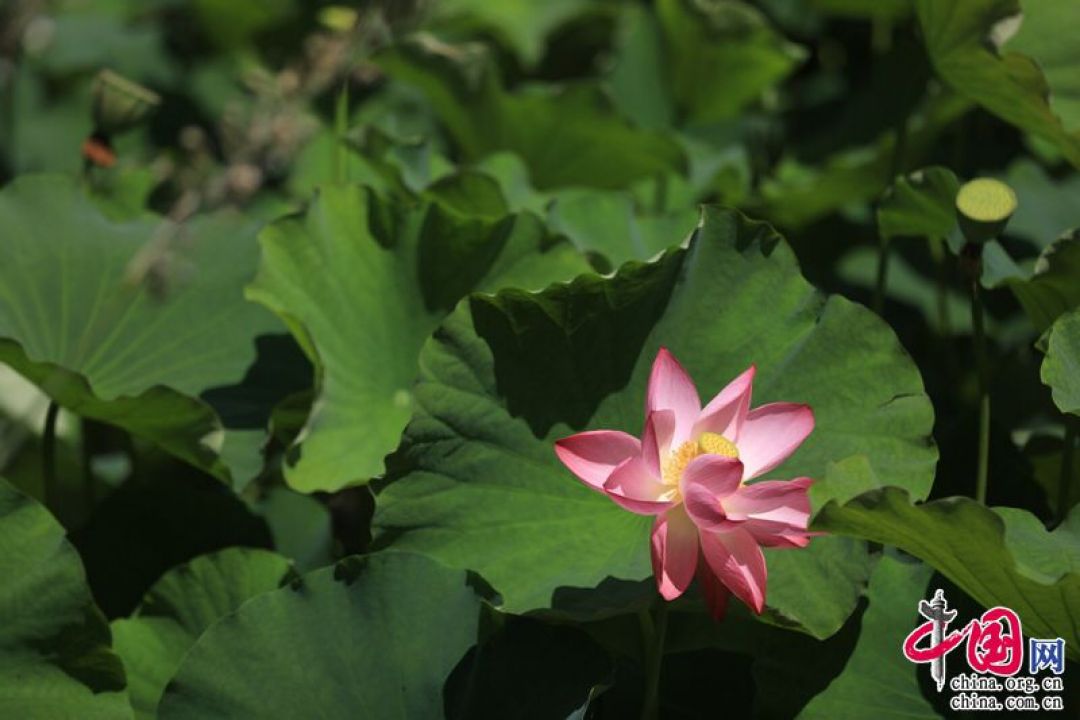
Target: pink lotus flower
[(690, 469)]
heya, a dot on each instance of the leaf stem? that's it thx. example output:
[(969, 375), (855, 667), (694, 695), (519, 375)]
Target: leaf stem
[(341, 128), (896, 166), (50, 491), (882, 275), (937, 252), (653, 632), (979, 330), (1067, 455)]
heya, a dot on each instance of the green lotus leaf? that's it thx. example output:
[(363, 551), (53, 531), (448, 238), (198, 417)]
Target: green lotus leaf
[(920, 204), (1046, 207), (1044, 36), (121, 323), (362, 282), (301, 527), (567, 137), (1045, 289), (1027, 80), (721, 56), (522, 25), (878, 680), (55, 660), (180, 607), (1061, 368), (1000, 556), (606, 222), (477, 484), (374, 637), (695, 63)]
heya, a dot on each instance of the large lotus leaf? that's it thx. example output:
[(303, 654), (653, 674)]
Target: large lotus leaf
[(180, 607), (523, 25), (721, 57), (1000, 556), (362, 282), (1008, 79), (878, 681), (477, 484), (374, 637), (55, 660), (136, 353), (1061, 368), (567, 137)]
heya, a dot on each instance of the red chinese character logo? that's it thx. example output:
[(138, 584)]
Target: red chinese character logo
[(995, 642)]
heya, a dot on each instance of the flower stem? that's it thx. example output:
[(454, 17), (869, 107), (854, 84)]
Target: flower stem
[(50, 491), (653, 631), (1067, 454), (979, 331)]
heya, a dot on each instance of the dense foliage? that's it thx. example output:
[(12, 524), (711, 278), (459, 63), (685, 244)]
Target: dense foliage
[(297, 298)]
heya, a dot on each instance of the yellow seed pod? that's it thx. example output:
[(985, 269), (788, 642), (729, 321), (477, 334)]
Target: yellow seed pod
[(119, 103), (983, 208)]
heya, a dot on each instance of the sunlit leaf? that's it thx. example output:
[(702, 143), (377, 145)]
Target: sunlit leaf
[(362, 281), (131, 322), (970, 50)]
